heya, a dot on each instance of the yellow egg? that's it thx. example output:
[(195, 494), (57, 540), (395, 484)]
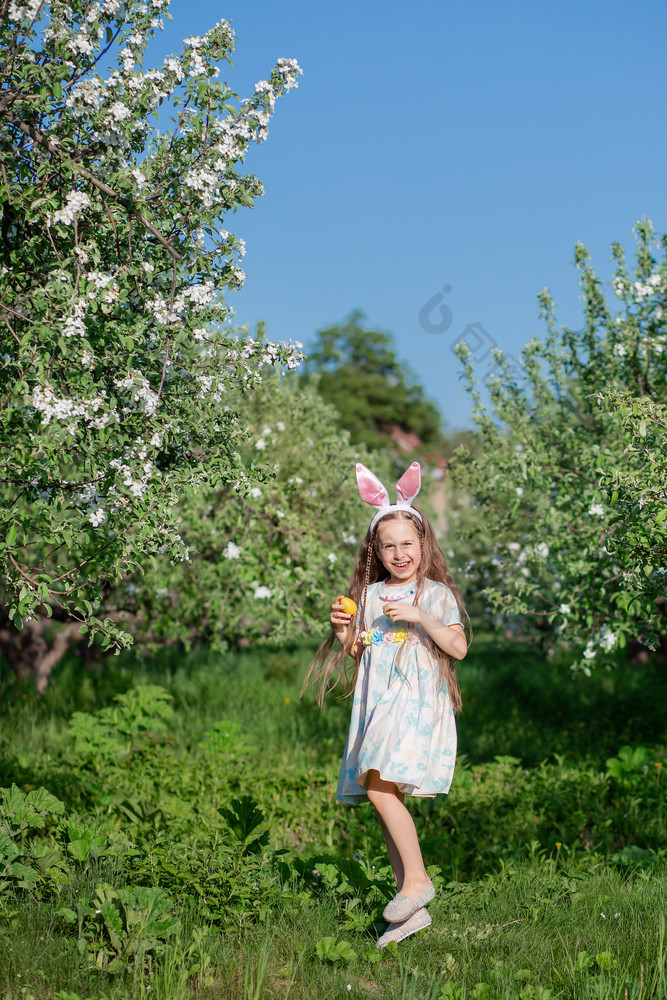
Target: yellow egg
[(349, 607)]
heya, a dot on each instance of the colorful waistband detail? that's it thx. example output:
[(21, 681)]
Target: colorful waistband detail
[(380, 637)]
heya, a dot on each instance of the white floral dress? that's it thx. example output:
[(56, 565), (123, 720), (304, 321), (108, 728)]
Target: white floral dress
[(402, 722)]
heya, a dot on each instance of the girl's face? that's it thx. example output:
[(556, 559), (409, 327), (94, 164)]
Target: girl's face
[(399, 550)]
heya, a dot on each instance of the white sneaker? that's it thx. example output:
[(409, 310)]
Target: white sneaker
[(397, 932)]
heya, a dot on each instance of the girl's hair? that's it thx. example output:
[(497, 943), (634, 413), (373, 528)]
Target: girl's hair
[(329, 662)]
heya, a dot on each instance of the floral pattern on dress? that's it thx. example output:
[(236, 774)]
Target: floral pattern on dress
[(402, 723)]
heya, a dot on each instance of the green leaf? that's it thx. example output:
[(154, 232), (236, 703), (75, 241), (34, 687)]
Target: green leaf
[(114, 924)]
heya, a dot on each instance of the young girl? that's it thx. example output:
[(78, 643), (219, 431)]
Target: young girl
[(406, 635)]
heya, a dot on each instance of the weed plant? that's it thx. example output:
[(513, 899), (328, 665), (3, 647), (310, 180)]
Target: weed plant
[(168, 830)]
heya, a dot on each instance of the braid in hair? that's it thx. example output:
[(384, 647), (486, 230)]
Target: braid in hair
[(361, 617)]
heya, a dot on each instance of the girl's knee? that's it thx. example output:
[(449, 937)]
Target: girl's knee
[(382, 796)]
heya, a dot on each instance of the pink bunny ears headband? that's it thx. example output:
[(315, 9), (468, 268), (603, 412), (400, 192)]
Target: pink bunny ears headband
[(373, 492)]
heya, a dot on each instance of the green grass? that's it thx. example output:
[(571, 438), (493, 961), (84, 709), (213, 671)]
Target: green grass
[(552, 873)]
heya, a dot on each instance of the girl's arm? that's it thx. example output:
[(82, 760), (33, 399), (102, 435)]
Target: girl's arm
[(450, 638)]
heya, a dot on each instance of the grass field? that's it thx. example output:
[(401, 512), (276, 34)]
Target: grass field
[(168, 829)]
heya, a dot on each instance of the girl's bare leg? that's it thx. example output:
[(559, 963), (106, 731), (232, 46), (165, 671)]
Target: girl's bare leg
[(399, 830), (392, 851)]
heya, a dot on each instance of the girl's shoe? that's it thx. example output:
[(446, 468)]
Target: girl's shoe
[(398, 931), (402, 907)]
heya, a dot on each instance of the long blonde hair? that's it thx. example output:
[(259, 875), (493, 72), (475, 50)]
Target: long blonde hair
[(329, 663)]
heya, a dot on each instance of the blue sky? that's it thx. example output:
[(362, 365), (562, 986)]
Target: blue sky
[(442, 144)]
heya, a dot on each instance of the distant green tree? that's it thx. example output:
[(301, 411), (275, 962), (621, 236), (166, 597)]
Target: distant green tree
[(358, 371)]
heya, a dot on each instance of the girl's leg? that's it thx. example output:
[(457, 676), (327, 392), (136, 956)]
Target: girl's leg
[(399, 829), (392, 851)]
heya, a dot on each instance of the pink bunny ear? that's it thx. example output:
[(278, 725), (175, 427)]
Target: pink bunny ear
[(370, 488), (410, 483)]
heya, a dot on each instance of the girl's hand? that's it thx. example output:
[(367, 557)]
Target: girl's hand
[(397, 612), (340, 619)]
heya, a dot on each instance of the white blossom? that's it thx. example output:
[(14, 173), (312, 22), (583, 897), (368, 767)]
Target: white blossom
[(84, 96), (27, 11), (82, 43), (205, 384), (262, 594), (96, 517), (119, 111), (75, 203), (289, 69), (332, 557), (174, 66), (52, 407), (142, 392), (231, 551), (255, 492), (607, 638), (204, 181), (200, 296), (652, 284), (597, 510), (73, 325), (260, 444), (565, 609)]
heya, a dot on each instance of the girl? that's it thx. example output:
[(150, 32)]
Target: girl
[(406, 636)]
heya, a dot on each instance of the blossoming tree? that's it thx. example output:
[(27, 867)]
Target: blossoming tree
[(117, 359), (571, 479)]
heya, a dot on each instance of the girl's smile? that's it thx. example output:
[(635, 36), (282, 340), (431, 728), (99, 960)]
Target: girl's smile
[(399, 551)]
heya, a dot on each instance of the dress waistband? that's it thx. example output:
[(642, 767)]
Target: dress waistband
[(382, 637)]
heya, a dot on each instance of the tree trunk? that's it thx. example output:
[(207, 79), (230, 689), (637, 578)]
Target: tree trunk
[(28, 652)]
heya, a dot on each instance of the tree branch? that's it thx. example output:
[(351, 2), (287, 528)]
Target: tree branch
[(55, 150)]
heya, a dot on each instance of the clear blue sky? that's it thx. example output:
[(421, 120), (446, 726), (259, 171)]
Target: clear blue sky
[(442, 143)]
